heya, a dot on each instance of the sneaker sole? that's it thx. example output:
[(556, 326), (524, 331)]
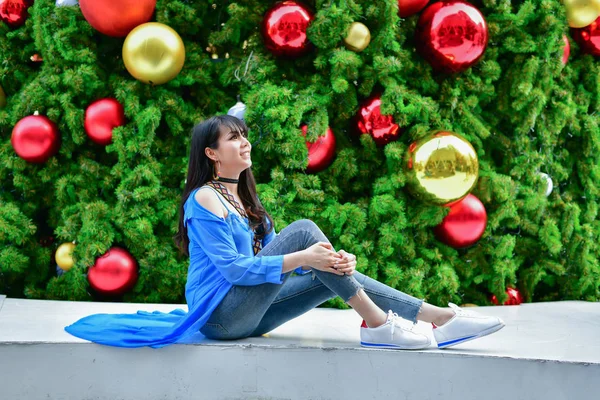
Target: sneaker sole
[(392, 346), (454, 342)]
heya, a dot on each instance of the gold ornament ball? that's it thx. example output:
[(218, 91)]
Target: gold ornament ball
[(581, 13), (441, 168), (64, 256), (153, 53), (358, 37)]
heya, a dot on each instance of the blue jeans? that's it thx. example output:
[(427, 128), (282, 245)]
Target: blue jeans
[(254, 310)]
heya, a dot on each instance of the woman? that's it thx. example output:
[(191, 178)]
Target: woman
[(240, 281), (221, 214)]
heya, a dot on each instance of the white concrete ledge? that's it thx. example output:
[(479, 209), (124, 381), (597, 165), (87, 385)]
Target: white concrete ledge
[(547, 351)]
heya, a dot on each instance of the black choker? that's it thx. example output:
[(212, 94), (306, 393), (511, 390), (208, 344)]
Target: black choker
[(228, 180)]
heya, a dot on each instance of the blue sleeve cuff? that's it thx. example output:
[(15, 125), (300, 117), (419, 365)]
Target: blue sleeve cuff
[(300, 271), (274, 271)]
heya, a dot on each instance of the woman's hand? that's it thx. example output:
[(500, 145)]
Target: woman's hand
[(322, 257), (347, 264)]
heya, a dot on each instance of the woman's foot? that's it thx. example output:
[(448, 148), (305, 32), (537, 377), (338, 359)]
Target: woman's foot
[(394, 334), (443, 316), (464, 326)]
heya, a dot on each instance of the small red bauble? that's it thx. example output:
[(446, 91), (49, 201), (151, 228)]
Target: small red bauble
[(566, 50), (321, 152), (116, 18), (35, 139), (14, 12), (284, 29), (514, 297), (588, 37), (451, 35), (114, 273), (465, 223), (382, 128), (406, 8), (101, 117)]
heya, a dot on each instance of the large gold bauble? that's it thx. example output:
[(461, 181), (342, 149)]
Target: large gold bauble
[(153, 53), (581, 13), (441, 168), (358, 37), (64, 256)]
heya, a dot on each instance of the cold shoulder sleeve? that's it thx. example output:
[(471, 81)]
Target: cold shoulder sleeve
[(215, 238)]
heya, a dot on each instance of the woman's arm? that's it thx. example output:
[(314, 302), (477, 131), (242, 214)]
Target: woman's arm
[(294, 260), (209, 201)]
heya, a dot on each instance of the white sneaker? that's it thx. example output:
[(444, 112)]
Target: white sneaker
[(394, 334), (465, 326)]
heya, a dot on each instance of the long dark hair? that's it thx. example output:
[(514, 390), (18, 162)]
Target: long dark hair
[(201, 170)]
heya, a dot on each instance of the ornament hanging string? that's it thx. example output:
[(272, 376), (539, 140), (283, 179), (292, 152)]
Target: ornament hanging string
[(236, 73)]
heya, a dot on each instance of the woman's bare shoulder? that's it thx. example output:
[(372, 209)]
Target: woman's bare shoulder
[(208, 199)]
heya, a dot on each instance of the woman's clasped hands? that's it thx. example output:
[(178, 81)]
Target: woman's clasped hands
[(322, 257)]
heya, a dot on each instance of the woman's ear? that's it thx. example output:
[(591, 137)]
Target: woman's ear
[(210, 153)]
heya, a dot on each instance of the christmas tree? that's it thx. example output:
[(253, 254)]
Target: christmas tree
[(375, 73)]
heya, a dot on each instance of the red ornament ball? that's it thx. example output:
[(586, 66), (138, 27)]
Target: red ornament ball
[(284, 29), (465, 223), (588, 38), (566, 50), (35, 139), (451, 35), (321, 152), (114, 273), (382, 128), (116, 18), (406, 8), (101, 117), (514, 297), (14, 12)]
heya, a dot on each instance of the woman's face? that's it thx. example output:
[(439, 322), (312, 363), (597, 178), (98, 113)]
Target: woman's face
[(233, 152)]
